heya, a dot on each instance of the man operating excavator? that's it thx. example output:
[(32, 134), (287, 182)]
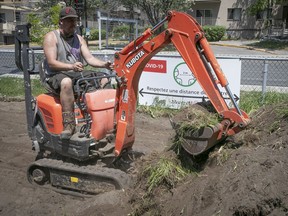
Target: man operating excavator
[(65, 52)]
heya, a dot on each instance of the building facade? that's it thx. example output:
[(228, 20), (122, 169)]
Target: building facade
[(232, 14), (12, 13), (239, 23)]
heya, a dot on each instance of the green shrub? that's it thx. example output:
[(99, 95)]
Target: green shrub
[(120, 31), (94, 34), (42, 23), (214, 33)]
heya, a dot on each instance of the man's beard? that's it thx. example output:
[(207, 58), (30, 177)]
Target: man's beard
[(66, 35)]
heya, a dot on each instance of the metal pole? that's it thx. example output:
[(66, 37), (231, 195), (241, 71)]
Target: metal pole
[(99, 28), (107, 29), (233, 100), (86, 22), (264, 84), (136, 28)]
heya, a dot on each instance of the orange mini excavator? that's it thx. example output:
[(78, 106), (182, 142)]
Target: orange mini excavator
[(105, 116)]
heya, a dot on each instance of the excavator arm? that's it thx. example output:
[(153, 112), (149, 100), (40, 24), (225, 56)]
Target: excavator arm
[(188, 38)]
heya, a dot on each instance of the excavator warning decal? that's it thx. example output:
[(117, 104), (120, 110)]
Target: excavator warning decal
[(74, 179), (125, 96), (136, 58)]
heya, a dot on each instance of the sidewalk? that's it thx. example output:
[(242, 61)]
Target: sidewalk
[(245, 45)]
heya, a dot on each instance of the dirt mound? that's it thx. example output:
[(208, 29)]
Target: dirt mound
[(245, 175)]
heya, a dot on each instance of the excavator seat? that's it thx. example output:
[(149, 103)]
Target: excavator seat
[(43, 79)]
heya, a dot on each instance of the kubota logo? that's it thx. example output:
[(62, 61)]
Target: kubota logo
[(135, 59)]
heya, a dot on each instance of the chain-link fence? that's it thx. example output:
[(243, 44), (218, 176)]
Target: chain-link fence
[(257, 74), (264, 74), (8, 66)]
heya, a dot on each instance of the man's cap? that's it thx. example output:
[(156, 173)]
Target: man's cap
[(67, 12)]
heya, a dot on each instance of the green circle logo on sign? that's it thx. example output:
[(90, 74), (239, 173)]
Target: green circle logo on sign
[(183, 76)]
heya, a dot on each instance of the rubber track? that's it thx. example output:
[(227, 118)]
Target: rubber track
[(120, 179)]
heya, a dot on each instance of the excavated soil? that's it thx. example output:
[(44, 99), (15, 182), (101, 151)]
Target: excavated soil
[(245, 175)]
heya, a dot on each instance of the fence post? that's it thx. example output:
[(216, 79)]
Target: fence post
[(264, 84), (99, 29)]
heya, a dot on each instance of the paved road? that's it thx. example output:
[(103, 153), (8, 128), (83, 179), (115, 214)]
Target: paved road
[(239, 47)]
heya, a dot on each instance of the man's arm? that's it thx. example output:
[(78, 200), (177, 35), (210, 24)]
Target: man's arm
[(50, 51), (91, 60)]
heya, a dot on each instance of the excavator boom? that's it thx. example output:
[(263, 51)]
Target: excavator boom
[(189, 39)]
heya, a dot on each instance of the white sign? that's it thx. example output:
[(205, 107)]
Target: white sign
[(167, 81)]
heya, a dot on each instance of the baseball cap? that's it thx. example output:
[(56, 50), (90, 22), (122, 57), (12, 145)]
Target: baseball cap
[(67, 12)]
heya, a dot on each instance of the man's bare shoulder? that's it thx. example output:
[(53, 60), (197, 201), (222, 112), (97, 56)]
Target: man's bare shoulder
[(50, 36), (82, 41)]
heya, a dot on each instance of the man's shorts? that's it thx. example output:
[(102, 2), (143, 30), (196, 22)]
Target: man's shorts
[(55, 80)]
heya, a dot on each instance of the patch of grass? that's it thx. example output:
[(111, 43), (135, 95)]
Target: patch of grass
[(282, 112), (271, 44), (11, 87), (14, 87), (156, 111), (251, 101), (196, 119), (167, 171)]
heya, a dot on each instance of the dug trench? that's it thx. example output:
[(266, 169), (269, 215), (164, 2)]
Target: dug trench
[(245, 175)]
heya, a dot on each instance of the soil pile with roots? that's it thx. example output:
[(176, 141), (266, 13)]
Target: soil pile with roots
[(245, 175)]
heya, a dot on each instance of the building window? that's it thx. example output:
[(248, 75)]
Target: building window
[(261, 15), (2, 18), (18, 16), (234, 14), (204, 13), (204, 17)]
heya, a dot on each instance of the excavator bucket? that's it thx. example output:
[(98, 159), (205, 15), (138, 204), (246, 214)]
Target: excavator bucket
[(198, 127), (198, 141)]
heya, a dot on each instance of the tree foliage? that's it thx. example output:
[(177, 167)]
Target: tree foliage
[(43, 23), (261, 5), (46, 4), (155, 10)]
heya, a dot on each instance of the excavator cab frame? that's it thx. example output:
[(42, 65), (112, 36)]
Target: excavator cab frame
[(69, 167)]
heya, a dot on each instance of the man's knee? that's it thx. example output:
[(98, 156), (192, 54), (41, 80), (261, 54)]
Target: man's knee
[(66, 83)]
